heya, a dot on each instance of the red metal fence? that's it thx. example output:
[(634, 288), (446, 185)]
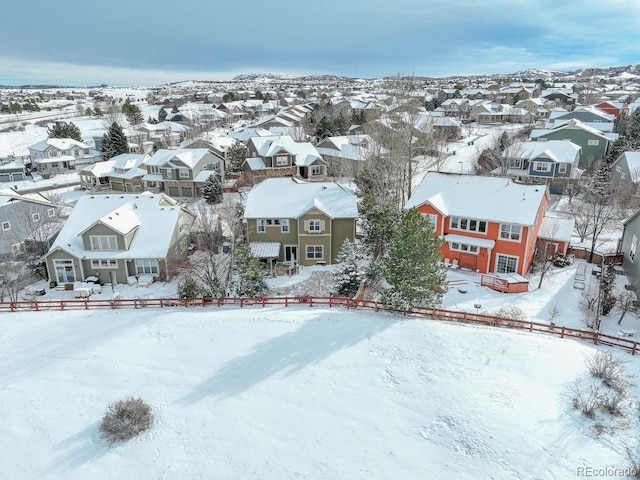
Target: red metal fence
[(427, 312)]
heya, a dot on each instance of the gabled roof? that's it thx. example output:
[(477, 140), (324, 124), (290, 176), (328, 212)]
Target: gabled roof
[(494, 199), (304, 152), (556, 228), (189, 157), (572, 124), (58, 143), (632, 161), (155, 217), (562, 151), (289, 198)]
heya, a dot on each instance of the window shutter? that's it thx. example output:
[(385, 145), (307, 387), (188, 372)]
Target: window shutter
[(306, 225), (322, 225)]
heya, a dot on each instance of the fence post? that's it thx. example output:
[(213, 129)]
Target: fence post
[(262, 302), (286, 301), (310, 301), (595, 338), (635, 346), (135, 303), (61, 305), (241, 302), (330, 302), (86, 304), (35, 302), (12, 306), (562, 333)]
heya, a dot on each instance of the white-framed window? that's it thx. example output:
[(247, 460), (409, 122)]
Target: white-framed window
[(515, 163), (433, 218), (76, 153), (463, 247), (282, 161), (15, 248), (618, 168), (169, 173), (510, 232), (6, 226), (562, 168), (183, 173), (314, 225), (104, 264), (469, 224), (260, 223), (542, 166), (86, 151), (35, 217), (65, 271), (633, 247), (622, 176), (104, 242), (51, 212), (593, 143), (284, 225), (506, 264), (315, 252), (317, 170), (146, 265)]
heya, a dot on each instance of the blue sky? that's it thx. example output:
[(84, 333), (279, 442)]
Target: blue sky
[(143, 42)]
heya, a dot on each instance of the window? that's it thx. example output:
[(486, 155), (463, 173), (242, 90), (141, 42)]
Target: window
[(15, 248), (463, 247), (618, 168), (468, 224), (593, 143), (282, 161), (86, 151), (146, 265), (261, 225), (6, 226), (317, 170), (506, 264), (104, 264), (169, 173), (35, 217), (104, 242), (269, 222), (51, 212), (542, 166), (314, 252), (515, 163), (510, 232), (183, 173), (314, 225), (622, 176), (76, 153), (633, 247), (562, 168), (433, 219), (284, 224)]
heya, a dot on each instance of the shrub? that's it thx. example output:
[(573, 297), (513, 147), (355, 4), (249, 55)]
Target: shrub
[(586, 400), (610, 369), (125, 419)]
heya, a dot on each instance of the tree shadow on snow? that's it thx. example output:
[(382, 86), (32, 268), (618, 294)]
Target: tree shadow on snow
[(287, 354), (84, 447)]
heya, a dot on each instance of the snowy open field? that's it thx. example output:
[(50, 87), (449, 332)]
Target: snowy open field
[(293, 393)]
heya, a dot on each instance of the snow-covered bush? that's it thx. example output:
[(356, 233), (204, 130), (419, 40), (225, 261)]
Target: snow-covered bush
[(610, 369), (125, 419), (347, 276)]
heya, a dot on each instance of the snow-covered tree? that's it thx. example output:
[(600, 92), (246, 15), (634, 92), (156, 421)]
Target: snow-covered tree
[(212, 189), (411, 264), (65, 130), (348, 276), (162, 114), (237, 155), (248, 273), (114, 142)]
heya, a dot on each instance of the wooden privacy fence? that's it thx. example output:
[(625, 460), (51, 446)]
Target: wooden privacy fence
[(596, 338)]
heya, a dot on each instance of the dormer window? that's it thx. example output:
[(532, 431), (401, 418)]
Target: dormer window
[(104, 242)]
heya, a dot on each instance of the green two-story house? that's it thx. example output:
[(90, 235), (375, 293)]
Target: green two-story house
[(182, 172), (300, 222)]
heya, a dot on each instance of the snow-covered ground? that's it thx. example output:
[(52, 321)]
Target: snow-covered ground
[(294, 392)]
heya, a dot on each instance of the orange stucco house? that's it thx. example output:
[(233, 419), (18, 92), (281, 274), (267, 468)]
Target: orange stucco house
[(489, 224)]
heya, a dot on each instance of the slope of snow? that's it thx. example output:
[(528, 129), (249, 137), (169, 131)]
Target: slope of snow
[(292, 393)]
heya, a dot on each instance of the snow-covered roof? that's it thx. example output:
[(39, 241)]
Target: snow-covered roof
[(265, 249), (59, 143), (479, 242), (556, 228), (304, 152), (558, 150), (190, 157), (290, 198), (572, 124), (154, 215), (489, 198)]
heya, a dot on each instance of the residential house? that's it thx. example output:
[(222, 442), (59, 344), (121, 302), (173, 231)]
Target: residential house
[(487, 113), (27, 221), (182, 172), (13, 170), (122, 173), (629, 247), (282, 156), (542, 162), (345, 154), (57, 154), (117, 236), (625, 171), (593, 143), (555, 235), (613, 108), (305, 222), (560, 97), (489, 224), (538, 107), (583, 114)]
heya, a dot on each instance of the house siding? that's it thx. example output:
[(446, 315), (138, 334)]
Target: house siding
[(631, 267), (589, 153), (100, 229)]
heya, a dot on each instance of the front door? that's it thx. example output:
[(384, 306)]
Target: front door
[(65, 272), (291, 253)]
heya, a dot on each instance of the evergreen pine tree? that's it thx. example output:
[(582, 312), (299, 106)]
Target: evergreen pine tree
[(114, 142), (411, 264), (347, 277), (212, 189), (64, 130), (162, 114), (248, 273), (237, 155), (607, 281), (175, 109)]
